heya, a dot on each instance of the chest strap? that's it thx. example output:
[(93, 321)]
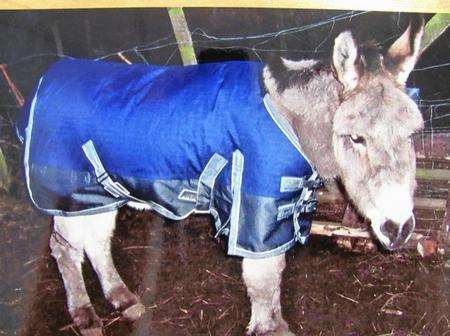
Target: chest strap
[(293, 184), (301, 207)]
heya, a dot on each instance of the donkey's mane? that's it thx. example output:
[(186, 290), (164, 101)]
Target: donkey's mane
[(286, 77), (370, 57)]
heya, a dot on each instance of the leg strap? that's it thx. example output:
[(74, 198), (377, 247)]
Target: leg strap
[(203, 196), (114, 188), (207, 180)]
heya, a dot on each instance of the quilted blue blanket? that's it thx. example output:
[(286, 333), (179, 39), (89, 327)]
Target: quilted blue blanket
[(182, 140)]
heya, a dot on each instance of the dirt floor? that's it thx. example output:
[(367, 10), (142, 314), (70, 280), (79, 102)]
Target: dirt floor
[(190, 287)]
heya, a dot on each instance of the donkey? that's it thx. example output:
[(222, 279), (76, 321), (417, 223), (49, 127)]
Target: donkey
[(353, 122)]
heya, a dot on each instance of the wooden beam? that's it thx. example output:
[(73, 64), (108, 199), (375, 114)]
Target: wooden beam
[(419, 202), (332, 229), (433, 174), (429, 203), (423, 6)]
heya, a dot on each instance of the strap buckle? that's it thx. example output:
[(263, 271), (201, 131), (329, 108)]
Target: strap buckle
[(301, 206), (114, 188)]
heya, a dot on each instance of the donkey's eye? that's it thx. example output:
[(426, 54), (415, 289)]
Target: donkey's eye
[(358, 139)]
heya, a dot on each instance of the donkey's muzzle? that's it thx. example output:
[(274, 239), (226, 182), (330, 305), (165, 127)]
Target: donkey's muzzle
[(398, 234)]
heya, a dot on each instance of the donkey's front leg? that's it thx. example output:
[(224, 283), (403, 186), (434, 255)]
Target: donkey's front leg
[(263, 279)]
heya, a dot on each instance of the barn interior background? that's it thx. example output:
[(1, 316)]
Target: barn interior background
[(188, 285)]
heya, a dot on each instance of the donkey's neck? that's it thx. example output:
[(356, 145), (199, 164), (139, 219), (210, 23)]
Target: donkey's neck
[(310, 107)]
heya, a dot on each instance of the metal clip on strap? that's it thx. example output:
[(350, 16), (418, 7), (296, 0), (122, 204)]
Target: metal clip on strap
[(306, 203), (292, 184), (114, 188), (302, 226)]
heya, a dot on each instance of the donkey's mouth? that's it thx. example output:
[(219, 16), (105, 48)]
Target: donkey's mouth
[(393, 246), (394, 236)]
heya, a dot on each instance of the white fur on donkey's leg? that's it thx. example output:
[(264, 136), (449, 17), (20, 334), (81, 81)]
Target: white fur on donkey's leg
[(97, 245), (68, 253), (263, 280)]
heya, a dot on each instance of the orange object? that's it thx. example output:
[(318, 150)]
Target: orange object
[(13, 88), (427, 247)]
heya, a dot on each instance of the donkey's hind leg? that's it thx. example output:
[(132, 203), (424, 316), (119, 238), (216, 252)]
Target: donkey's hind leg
[(66, 245), (97, 245)]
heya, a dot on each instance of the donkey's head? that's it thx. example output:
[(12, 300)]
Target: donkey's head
[(372, 131)]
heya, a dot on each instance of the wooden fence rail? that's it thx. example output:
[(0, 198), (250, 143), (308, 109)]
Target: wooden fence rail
[(421, 6)]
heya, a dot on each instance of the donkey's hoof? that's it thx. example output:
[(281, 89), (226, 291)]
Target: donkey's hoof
[(87, 321), (92, 332), (281, 329), (124, 300), (134, 312), (272, 333), (121, 298), (282, 333)]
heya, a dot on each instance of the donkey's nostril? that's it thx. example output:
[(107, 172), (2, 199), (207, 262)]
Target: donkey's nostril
[(407, 229), (390, 230), (397, 234)]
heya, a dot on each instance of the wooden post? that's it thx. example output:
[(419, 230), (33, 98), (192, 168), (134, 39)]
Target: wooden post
[(182, 35), (434, 28), (57, 38), (446, 222), (5, 177)]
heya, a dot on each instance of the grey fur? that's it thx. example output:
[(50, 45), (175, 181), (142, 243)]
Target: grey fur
[(363, 100)]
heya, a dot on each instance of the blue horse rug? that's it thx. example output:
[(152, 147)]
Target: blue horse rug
[(182, 140)]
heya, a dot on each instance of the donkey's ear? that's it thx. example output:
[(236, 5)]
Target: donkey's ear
[(403, 54), (346, 60)]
